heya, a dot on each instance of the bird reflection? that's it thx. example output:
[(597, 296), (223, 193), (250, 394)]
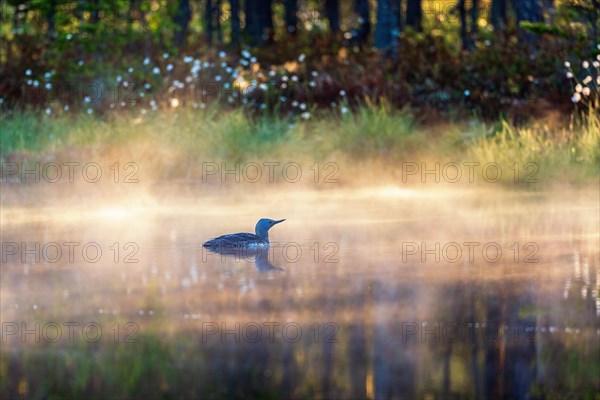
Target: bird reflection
[(262, 262), (260, 254)]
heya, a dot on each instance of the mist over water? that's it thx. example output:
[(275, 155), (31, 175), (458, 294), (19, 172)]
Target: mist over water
[(383, 291)]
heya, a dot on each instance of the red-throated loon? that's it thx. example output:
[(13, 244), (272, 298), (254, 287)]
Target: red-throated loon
[(244, 240)]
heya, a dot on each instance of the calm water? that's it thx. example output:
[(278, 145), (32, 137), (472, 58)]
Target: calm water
[(374, 293)]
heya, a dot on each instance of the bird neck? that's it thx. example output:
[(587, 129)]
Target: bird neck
[(262, 233)]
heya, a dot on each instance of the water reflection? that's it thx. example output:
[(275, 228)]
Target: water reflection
[(259, 254), (354, 321)]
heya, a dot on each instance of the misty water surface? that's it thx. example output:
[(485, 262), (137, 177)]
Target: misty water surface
[(383, 292)]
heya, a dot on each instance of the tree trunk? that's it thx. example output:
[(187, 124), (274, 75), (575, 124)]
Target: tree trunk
[(397, 10), (474, 18), (361, 7), (182, 19), (267, 30), (235, 22), (498, 15), (468, 32), (252, 23), (51, 19), (414, 14), (208, 19), (528, 10), (291, 16), (386, 28), (332, 11), (217, 20), (464, 34), (259, 21)]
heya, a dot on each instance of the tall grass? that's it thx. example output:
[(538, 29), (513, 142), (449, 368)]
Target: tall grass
[(174, 144), (569, 154)]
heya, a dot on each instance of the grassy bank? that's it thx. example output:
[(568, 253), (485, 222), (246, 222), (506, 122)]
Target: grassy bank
[(173, 145)]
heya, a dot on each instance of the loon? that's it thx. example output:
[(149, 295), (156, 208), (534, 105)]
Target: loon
[(238, 241)]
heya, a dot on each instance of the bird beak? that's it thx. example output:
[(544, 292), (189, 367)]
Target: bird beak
[(276, 222)]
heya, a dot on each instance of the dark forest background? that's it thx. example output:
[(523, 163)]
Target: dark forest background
[(272, 56)]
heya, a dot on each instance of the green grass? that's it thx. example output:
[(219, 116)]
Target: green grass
[(568, 154), (174, 145)]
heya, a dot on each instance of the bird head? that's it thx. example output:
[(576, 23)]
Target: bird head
[(263, 226)]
